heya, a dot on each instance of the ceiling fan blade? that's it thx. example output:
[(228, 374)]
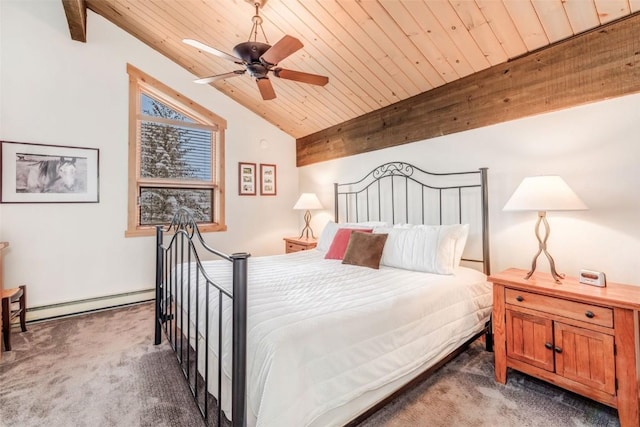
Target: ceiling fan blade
[(213, 51), (299, 76), (283, 48), (266, 89), (210, 79)]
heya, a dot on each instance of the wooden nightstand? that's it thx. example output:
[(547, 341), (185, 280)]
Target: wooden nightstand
[(576, 336), (296, 244)]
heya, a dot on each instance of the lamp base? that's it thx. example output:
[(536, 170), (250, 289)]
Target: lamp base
[(542, 248), (307, 227)]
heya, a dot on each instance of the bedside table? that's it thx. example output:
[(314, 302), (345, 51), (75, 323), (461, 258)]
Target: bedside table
[(297, 244), (576, 336)]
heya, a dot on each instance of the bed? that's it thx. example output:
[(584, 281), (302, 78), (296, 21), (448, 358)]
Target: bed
[(311, 341)]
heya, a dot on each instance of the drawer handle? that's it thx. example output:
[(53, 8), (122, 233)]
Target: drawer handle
[(558, 350), (519, 298), (590, 314), (548, 345)]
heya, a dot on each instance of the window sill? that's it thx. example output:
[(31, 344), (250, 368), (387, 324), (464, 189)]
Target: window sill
[(151, 231)]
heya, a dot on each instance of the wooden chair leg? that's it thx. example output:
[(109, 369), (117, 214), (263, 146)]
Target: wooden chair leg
[(6, 326), (23, 308)]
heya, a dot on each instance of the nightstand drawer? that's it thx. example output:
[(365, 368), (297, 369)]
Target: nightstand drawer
[(574, 310), (295, 247)]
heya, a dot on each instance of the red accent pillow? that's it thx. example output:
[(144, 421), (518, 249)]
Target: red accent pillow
[(341, 240)]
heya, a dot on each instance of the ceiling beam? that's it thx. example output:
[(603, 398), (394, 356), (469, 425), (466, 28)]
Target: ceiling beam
[(590, 67), (76, 11)]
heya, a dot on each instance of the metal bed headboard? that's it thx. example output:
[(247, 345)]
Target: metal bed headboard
[(398, 192)]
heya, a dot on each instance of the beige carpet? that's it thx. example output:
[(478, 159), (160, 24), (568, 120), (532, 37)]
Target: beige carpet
[(102, 369), (464, 394)]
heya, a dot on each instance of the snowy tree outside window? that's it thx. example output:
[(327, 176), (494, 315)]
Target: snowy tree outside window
[(172, 149)]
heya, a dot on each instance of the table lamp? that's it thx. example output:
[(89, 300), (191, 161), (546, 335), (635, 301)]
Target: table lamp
[(542, 194), (307, 201)]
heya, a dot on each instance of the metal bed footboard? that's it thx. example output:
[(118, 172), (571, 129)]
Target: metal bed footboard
[(179, 274)]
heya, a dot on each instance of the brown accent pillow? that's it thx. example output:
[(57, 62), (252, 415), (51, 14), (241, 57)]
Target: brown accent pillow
[(365, 250)]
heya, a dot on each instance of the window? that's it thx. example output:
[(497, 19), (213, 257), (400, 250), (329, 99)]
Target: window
[(176, 150)]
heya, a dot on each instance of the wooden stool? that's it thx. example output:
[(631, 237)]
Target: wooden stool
[(13, 304)]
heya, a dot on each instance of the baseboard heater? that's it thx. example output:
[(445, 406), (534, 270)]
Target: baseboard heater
[(85, 305)]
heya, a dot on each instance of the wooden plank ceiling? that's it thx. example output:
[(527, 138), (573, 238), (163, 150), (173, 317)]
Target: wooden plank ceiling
[(375, 52)]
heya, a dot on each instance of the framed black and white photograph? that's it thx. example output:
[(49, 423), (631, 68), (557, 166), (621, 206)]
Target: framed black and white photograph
[(36, 173), (267, 180), (247, 179)]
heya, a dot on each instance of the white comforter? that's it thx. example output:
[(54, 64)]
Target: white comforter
[(321, 333)]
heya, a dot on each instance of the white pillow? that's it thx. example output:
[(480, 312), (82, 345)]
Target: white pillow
[(428, 248), (327, 235), (403, 225), (330, 230), (367, 224), (459, 232)]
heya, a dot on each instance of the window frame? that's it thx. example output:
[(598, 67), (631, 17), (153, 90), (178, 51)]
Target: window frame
[(141, 82)]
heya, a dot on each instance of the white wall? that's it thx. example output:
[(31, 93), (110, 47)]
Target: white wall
[(595, 148), (61, 92)]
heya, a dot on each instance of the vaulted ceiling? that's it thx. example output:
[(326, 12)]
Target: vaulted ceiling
[(375, 52)]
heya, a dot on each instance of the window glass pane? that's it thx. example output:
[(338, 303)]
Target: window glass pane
[(158, 205), (152, 107), (176, 152)]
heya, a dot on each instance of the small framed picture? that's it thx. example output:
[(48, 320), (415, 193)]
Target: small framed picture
[(36, 173), (247, 179), (267, 180)]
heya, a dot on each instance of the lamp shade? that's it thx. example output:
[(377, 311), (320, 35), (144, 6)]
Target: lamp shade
[(544, 193), (308, 201)]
